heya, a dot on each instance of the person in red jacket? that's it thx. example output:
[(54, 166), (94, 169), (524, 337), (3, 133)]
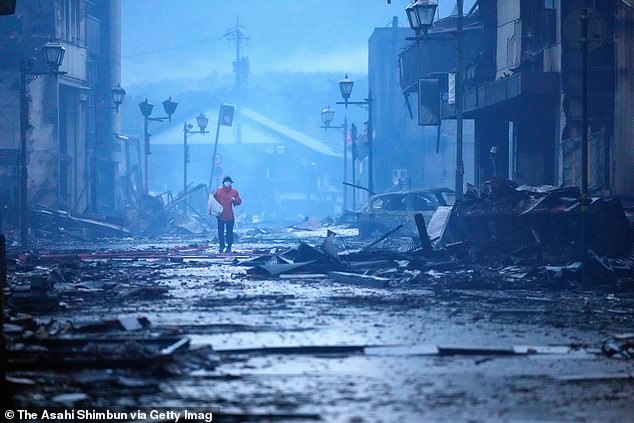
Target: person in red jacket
[(227, 197)]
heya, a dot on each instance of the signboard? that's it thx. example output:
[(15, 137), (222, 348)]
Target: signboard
[(571, 28), (428, 102), (225, 116)]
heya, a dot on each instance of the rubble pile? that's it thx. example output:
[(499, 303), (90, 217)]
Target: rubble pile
[(506, 257), (547, 219), (513, 239)]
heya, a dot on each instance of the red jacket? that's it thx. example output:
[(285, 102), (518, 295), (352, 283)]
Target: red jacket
[(227, 197)]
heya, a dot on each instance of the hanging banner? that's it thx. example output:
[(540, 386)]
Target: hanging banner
[(451, 79)]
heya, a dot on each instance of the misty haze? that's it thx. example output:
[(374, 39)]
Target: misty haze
[(338, 210)]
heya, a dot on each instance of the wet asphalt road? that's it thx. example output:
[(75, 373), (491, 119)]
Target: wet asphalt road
[(401, 379)]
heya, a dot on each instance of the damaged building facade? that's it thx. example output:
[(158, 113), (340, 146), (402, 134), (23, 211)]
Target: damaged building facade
[(73, 155), (408, 155), (522, 89)]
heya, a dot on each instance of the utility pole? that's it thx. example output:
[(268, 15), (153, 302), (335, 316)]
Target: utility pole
[(146, 149), (54, 54), (584, 144), (459, 101), (370, 142), (24, 178), (326, 116), (584, 29), (345, 162), (241, 69), (3, 343)]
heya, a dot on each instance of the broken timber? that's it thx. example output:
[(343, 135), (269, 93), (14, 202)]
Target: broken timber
[(367, 281)]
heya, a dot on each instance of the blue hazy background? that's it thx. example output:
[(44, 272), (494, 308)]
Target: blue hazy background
[(297, 51), (166, 39)]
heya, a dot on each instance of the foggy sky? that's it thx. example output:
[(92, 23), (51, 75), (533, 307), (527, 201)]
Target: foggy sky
[(166, 39)]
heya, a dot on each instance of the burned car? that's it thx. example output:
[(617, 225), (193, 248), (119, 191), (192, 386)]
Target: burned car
[(385, 211)]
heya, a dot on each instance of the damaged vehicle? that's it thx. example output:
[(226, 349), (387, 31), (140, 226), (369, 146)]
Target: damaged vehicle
[(385, 211)]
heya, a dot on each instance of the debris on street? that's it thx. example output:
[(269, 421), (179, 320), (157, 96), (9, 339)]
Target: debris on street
[(158, 318)]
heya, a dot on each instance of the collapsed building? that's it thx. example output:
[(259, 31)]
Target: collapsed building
[(522, 91)]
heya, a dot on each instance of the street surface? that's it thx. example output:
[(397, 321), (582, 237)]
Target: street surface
[(398, 375)]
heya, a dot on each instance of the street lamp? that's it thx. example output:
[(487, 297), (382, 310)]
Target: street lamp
[(117, 95), (420, 14), (54, 56), (345, 87), (201, 121), (146, 110), (327, 115), (84, 94)]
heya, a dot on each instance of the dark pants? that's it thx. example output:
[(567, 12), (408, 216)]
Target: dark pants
[(221, 232)]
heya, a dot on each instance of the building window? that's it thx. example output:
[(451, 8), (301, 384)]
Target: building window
[(550, 4), (550, 23), (70, 21)]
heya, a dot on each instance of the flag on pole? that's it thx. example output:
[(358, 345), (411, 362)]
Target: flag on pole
[(226, 115)]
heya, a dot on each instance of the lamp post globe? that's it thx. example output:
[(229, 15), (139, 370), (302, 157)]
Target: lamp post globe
[(411, 16), (345, 87), (202, 122), (170, 107), (327, 115), (146, 108), (118, 94), (54, 54), (420, 15), (84, 94)]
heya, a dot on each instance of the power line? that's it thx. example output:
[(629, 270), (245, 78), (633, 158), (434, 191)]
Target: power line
[(146, 53)]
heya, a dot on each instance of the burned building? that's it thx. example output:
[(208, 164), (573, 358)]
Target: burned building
[(407, 155), (433, 58), (623, 148), (72, 157), (531, 107), (522, 88)]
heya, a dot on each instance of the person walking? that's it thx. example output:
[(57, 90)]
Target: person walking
[(227, 197)]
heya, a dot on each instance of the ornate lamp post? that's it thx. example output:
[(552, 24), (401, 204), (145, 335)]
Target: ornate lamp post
[(54, 56), (201, 121), (345, 88), (420, 14), (117, 96), (327, 115), (146, 110)]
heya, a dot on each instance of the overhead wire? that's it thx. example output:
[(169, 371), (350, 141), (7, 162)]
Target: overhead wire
[(145, 53)]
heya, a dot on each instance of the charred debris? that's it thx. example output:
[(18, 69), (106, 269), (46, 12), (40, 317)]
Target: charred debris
[(144, 216), (510, 238), (507, 235)]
